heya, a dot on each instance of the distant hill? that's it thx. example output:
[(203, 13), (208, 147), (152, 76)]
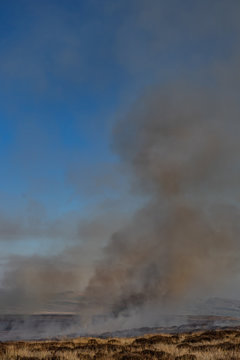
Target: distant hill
[(208, 314), (217, 306)]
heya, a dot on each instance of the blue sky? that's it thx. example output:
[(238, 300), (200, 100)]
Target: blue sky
[(70, 70), (60, 89)]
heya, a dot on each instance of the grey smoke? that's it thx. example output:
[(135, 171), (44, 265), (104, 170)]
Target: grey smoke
[(181, 144)]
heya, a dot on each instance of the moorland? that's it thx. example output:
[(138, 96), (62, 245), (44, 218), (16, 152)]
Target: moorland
[(222, 344)]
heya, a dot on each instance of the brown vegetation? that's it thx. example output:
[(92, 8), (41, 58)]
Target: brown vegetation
[(208, 345)]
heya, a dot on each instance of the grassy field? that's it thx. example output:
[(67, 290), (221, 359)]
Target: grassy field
[(208, 345)]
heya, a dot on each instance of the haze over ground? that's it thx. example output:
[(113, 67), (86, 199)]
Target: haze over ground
[(119, 146)]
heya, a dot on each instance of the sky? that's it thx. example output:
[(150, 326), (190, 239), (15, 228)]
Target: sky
[(84, 86)]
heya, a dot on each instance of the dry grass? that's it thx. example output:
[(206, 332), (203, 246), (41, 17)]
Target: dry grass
[(208, 345)]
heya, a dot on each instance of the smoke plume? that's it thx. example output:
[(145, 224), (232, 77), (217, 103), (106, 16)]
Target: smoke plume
[(181, 146)]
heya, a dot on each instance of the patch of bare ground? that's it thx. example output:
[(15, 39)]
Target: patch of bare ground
[(205, 345)]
